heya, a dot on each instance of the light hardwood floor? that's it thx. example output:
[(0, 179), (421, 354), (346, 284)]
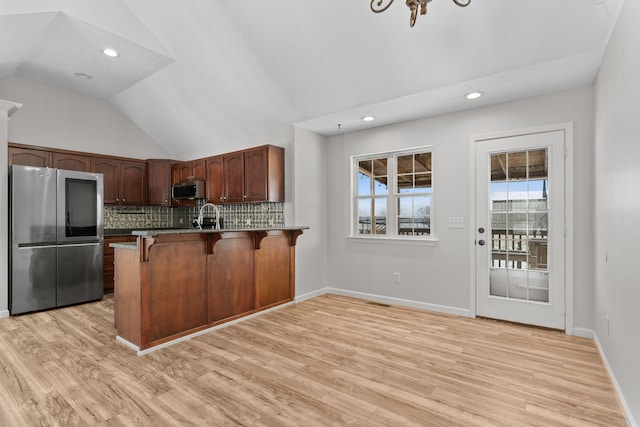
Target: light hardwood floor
[(327, 361)]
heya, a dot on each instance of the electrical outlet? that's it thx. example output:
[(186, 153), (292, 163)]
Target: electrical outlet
[(456, 222), (396, 277)]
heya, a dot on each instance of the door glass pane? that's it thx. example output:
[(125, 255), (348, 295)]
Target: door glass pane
[(519, 225), (517, 165), (498, 167)]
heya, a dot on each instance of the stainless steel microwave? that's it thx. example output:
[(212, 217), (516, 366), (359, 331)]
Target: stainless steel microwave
[(188, 190)]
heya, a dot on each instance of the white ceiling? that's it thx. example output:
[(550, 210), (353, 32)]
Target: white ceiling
[(215, 76)]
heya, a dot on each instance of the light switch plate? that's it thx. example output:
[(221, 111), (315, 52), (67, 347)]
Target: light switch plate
[(456, 222)]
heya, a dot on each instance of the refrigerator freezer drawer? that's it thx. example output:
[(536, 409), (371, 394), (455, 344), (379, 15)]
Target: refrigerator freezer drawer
[(80, 273), (33, 278)]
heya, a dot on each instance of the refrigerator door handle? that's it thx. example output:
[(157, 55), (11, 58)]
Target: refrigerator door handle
[(32, 246), (75, 245)]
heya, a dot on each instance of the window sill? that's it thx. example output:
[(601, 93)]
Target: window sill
[(394, 240)]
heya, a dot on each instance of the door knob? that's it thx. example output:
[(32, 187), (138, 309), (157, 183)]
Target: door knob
[(481, 242)]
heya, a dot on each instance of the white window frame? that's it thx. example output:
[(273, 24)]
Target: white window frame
[(391, 198)]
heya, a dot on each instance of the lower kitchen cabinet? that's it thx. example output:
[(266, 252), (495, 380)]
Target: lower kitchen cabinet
[(274, 272), (178, 295), (231, 277), (108, 259), (173, 284)]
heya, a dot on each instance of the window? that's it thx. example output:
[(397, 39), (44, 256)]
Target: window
[(393, 193)]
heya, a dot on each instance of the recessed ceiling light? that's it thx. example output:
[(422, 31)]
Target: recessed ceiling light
[(83, 76), (368, 118), (110, 52), (474, 95)]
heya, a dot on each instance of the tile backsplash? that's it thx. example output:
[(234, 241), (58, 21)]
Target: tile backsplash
[(243, 215)]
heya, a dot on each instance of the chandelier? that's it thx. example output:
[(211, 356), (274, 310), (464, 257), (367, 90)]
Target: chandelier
[(413, 5)]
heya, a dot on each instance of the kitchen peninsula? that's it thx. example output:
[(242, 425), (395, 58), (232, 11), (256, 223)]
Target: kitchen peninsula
[(173, 283)]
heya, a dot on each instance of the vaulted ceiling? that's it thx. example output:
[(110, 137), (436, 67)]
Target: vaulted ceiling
[(216, 75)]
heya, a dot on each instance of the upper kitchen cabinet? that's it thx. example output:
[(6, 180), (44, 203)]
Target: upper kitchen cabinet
[(254, 175), (159, 182), (225, 178), (191, 171), (233, 170), (29, 157), (264, 174), (215, 179), (124, 180), (72, 162)]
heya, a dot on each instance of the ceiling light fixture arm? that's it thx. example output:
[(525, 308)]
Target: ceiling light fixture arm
[(379, 6)]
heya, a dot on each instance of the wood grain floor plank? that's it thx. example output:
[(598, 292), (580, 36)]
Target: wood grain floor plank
[(330, 360)]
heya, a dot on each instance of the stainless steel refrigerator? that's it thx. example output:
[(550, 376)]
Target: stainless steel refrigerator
[(56, 226)]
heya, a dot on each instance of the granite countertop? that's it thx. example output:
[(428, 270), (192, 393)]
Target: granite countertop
[(159, 232), (111, 232)]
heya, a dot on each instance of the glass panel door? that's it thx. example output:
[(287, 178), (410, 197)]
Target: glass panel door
[(520, 243), (519, 225)]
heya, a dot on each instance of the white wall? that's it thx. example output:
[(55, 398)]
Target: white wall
[(310, 199), (617, 289), (58, 118), (439, 275)]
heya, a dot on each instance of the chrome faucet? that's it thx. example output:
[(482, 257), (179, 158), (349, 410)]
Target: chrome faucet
[(199, 220)]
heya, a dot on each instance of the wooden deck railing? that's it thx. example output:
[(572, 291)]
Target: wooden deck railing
[(519, 250)]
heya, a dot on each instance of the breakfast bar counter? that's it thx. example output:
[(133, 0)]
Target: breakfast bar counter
[(173, 283)]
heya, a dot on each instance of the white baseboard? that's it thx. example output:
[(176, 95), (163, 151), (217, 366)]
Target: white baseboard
[(309, 295), (386, 300), (630, 421), (583, 333), (4, 313)]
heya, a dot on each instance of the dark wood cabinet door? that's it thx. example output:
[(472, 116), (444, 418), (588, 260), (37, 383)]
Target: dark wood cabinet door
[(108, 267), (274, 275), (234, 177), (178, 292), (28, 157), (232, 291), (215, 179), (72, 162), (184, 171), (256, 174), (199, 169), (133, 185), (159, 182), (110, 169)]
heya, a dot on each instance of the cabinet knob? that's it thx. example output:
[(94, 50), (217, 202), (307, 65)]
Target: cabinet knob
[(123, 200), (244, 197), (117, 200)]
